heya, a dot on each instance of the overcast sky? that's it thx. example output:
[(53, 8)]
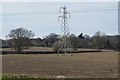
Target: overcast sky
[(42, 18)]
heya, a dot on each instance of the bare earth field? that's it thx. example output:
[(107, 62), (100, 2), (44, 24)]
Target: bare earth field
[(82, 65)]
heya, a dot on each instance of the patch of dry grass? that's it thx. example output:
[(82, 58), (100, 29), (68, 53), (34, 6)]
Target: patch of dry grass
[(31, 49), (82, 65)]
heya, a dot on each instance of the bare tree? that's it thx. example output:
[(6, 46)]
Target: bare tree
[(74, 42), (99, 40), (20, 38)]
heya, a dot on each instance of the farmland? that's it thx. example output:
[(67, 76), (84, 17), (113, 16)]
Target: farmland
[(81, 65)]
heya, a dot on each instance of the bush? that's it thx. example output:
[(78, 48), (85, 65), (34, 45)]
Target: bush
[(57, 45)]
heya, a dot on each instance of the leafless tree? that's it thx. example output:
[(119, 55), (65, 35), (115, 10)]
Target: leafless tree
[(20, 38)]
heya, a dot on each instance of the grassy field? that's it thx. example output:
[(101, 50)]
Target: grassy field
[(31, 49), (82, 65)]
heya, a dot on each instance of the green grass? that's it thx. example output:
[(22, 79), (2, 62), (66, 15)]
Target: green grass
[(6, 77), (0, 77)]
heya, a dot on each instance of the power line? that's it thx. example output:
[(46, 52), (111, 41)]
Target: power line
[(31, 13), (96, 10)]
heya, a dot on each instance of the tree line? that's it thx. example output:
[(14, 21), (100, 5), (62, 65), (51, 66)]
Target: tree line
[(21, 39)]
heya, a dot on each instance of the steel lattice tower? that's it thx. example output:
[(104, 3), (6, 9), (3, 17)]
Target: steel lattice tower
[(64, 29)]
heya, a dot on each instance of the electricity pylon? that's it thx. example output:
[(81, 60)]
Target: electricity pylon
[(64, 30)]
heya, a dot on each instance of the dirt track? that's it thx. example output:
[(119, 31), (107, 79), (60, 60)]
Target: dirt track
[(85, 65)]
